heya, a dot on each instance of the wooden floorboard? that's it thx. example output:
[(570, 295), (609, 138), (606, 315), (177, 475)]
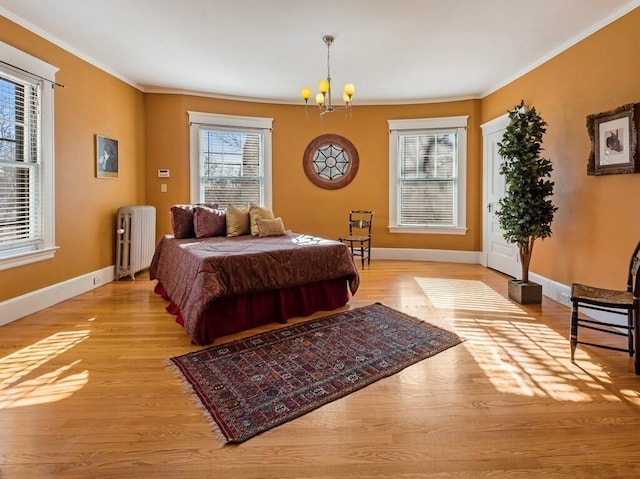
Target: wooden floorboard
[(85, 393)]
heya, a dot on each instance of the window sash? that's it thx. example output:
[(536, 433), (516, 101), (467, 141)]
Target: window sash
[(427, 178), (231, 166), (21, 222), (427, 202)]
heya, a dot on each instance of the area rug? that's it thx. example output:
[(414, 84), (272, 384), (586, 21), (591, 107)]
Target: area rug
[(254, 384)]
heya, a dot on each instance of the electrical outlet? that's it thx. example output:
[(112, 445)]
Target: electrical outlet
[(97, 280)]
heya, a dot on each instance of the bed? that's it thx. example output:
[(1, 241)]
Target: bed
[(222, 285)]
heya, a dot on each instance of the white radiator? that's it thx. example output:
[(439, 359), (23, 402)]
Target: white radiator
[(135, 239)]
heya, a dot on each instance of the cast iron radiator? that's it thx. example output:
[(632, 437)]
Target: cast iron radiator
[(135, 239)]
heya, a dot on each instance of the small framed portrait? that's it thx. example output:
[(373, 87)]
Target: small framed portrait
[(106, 157), (614, 141)]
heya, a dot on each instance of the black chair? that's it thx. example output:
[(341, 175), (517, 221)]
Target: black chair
[(359, 239), (623, 302)]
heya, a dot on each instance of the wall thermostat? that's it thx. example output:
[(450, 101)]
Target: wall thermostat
[(163, 173)]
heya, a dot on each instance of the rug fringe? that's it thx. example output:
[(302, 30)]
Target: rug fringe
[(188, 388)]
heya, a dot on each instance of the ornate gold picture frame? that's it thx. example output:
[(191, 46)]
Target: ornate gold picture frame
[(614, 141)]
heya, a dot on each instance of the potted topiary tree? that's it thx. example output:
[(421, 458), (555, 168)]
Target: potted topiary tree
[(525, 211)]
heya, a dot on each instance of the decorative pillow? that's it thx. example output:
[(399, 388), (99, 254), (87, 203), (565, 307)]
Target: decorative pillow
[(182, 220), (258, 212), (238, 220), (270, 227), (209, 222)]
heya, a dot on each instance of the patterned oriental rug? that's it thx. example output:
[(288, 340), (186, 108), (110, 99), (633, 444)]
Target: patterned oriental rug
[(254, 384)]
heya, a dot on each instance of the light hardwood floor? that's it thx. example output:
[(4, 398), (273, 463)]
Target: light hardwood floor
[(84, 393)]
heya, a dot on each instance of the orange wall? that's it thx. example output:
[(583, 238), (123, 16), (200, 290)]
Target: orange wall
[(598, 220), (303, 206), (93, 102), (596, 225)]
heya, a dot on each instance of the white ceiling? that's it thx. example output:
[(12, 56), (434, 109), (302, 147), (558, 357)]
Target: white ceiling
[(402, 51)]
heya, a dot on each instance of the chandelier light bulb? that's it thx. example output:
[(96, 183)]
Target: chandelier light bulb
[(349, 89), (323, 86), (305, 93), (320, 99)]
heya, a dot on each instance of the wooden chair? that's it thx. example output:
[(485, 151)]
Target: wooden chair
[(622, 302), (359, 239)]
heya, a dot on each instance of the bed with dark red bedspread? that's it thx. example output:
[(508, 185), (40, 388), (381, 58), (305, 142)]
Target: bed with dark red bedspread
[(221, 285)]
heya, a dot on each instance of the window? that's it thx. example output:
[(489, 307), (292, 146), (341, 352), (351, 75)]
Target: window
[(427, 175), (230, 159), (26, 159)]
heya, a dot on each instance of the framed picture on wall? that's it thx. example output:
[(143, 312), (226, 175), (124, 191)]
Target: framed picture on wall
[(106, 157), (614, 141)]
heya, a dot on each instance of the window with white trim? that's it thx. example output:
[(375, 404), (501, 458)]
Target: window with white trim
[(427, 175), (230, 159), (26, 159)]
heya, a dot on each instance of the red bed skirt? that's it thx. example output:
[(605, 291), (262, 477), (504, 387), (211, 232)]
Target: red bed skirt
[(239, 313)]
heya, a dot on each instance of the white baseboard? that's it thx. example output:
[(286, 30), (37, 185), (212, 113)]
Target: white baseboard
[(16, 308), (557, 291), (415, 254)]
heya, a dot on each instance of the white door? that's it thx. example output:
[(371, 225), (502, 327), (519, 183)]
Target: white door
[(497, 253)]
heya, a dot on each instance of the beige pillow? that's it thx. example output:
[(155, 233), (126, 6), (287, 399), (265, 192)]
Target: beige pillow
[(258, 212), (238, 220), (270, 227)]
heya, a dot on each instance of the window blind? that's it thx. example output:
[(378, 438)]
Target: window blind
[(20, 163), (232, 165), (427, 178)]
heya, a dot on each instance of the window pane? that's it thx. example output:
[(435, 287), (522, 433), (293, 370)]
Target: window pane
[(232, 167), (11, 120), (232, 191), (20, 222), (427, 155), (427, 203)]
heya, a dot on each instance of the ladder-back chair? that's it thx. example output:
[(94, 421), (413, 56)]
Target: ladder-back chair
[(611, 301), (359, 239)]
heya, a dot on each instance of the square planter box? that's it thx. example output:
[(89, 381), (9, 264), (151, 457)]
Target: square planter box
[(525, 293)]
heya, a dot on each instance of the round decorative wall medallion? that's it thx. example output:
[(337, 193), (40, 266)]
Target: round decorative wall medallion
[(330, 161)]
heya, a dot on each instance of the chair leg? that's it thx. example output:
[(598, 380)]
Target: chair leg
[(369, 252), (630, 322), (636, 340), (574, 330), (362, 253)]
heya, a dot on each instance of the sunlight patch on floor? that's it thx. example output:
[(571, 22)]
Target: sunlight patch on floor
[(529, 359), (23, 384), (517, 354), (465, 294)]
